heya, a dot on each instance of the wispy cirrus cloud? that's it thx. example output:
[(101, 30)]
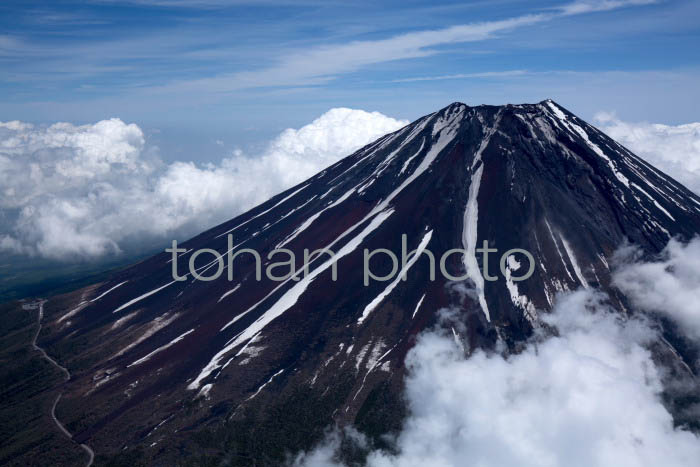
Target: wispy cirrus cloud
[(590, 6), (324, 63), (214, 4), (486, 74)]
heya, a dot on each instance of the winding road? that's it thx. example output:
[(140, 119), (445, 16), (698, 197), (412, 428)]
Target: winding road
[(66, 377)]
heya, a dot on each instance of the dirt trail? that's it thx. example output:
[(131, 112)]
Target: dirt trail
[(66, 377)]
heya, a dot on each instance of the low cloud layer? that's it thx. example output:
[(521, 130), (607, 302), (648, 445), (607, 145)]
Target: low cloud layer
[(81, 192), (670, 285), (673, 149), (588, 396)]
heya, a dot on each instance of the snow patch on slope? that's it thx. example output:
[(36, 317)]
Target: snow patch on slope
[(471, 216), (404, 271)]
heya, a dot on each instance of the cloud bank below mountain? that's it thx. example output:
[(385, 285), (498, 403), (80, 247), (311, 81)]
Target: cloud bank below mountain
[(669, 285), (82, 192), (673, 149), (588, 395)]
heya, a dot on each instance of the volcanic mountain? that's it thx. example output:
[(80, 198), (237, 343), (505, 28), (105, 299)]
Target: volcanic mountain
[(249, 370)]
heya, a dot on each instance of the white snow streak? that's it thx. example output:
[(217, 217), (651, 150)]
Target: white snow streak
[(582, 133), (160, 349), (264, 212), (574, 263), (120, 284), (286, 301), (74, 311), (420, 302), (204, 392), (379, 298), (229, 293), (123, 320), (521, 301), (408, 161), (268, 382), (379, 214), (313, 218), (141, 297), (471, 216), (556, 245), (157, 324), (658, 206)]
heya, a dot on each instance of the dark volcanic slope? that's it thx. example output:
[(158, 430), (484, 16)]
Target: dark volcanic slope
[(260, 366)]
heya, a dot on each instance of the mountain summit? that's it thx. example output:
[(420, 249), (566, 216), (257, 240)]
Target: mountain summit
[(256, 368)]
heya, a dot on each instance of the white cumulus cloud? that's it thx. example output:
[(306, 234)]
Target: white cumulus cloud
[(670, 285), (85, 191), (673, 149), (587, 396)]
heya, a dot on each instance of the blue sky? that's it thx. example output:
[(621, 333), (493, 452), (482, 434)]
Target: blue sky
[(193, 72)]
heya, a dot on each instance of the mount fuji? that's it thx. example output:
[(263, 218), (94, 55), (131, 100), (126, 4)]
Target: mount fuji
[(249, 370)]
